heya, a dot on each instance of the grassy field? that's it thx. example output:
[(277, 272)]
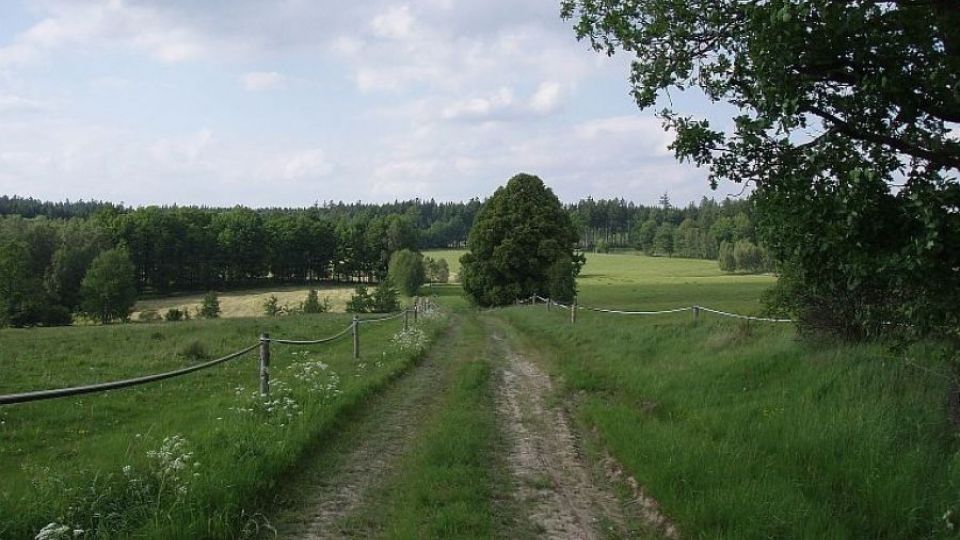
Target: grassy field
[(632, 280), (746, 431), (247, 303), (190, 457)]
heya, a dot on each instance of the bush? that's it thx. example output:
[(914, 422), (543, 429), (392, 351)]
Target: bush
[(210, 306), (313, 304), (270, 307), (360, 301), (149, 315), (174, 315), (385, 298), (728, 263), (602, 247), (748, 256), (195, 350), (406, 270)]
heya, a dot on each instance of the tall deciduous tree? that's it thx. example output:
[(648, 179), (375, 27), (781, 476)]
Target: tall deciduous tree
[(407, 271), (522, 243), (849, 111), (109, 288)]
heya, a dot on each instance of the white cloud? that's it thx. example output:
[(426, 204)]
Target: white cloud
[(255, 81), (480, 107), (429, 99), (311, 163), (395, 23), (546, 99)]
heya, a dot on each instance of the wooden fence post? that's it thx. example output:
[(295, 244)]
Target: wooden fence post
[(573, 311), (406, 319), (416, 310), (549, 301), (264, 364), (356, 337), (696, 313)]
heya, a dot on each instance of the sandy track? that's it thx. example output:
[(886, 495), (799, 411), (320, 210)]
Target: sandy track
[(554, 482)]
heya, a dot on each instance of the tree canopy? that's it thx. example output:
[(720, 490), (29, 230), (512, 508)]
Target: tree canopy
[(847, 128), (109, 290), (522, 243)]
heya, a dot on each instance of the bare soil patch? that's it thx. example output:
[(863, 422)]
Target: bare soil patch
[(555, 483)]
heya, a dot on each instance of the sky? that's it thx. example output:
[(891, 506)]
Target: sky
[(293, 102)]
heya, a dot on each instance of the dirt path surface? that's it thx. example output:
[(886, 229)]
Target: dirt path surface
[(555, 484), (381, 437)]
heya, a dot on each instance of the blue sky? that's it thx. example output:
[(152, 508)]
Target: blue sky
[(293, 101)]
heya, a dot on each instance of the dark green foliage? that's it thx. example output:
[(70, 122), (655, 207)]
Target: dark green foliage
[(728, 263), (522, 243), (663, 240), (109, 290), (846, 126), (384, 298), (270, 307), (149, 315), (313, 304), (174, 315), (194, 350), (209, 306), (360, 301), (437, 270), (749, 257), (645, 235), (406, 270)]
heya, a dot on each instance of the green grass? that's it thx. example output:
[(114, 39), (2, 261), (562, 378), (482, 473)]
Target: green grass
[(749, 433), (446, 484), (632, 280), (63, 460)]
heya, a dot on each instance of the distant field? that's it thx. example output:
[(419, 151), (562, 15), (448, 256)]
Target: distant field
[(452, 256), (631, 280), (249, 302)]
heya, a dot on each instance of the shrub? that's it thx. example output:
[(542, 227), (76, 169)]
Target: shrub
[(360, 301), (313, 305), (210, 306), (149, 315), (270, 307), (748, 256), (385, 298), (174, 315), (602, 247), (195, 350), (728, 263)]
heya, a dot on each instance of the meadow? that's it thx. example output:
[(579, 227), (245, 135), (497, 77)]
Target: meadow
[(745, 430), (191, 457), (738, 430)]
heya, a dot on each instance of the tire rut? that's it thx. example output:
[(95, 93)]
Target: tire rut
[(554, 482), (390, 427)]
